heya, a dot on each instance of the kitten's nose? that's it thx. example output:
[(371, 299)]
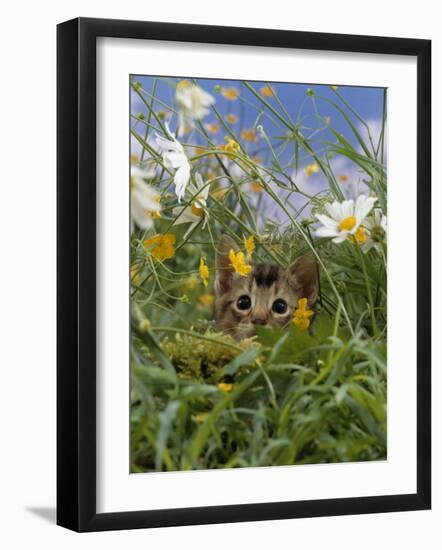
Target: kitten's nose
[(259, 321)]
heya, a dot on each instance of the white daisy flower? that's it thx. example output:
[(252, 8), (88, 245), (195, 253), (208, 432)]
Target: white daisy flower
[(197, 208), (144, 199), (345, 219), (150, 169), (175, 157), (376, 225), (193, 103)]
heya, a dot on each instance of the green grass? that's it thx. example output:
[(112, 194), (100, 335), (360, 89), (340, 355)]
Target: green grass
[(201, 400)]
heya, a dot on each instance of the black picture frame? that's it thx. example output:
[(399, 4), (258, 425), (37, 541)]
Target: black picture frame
[(76, 274)]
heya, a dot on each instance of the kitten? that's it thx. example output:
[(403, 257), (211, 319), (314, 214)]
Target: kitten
[(268, 295)]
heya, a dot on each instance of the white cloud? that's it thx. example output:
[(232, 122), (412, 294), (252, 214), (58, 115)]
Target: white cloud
[(375, 127)]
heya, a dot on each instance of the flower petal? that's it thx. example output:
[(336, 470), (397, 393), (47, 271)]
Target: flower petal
[(181, 180), (340, 239), (141, 217), (326, 232), (184, 216), (363, 206), (334, 209), (326, 221), (347, 209)]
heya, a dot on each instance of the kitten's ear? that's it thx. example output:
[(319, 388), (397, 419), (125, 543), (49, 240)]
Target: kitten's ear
[(224, 270), (303, 277)]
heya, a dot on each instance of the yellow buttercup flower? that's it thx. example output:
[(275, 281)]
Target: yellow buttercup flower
[(231, 118), (310, 169), (248, 135), (225, 387), (206, 299), (249, 245), (255, 186), (334, 88), (204, 272), (238, 262), (230, 93), (231, 146), (267, 91), (163, 246), (301, 316)]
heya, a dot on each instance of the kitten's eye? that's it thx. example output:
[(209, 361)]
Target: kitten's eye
[(279, 306), (244, 302)]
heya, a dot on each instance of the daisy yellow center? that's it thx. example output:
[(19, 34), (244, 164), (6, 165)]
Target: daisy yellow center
[(183, 84), (347, 224), (196, 210), (230, 93), (267, 91), (311, 169), (360, 236), (213, 128), (248, 135)]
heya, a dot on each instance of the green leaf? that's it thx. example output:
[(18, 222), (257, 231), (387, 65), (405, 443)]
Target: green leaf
[(149, 339), (294, 342), (200, 438), (247, 357), (166, 419)]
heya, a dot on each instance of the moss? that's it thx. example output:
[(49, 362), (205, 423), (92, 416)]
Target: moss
[(195, 358)]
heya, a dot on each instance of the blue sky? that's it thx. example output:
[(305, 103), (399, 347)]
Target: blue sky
[(367, 102), (366, 105)]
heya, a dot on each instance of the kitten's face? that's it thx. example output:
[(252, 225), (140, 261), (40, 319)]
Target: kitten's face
[(267, 296)]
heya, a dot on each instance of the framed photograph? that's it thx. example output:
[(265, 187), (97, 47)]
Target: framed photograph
[(243, 274)]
